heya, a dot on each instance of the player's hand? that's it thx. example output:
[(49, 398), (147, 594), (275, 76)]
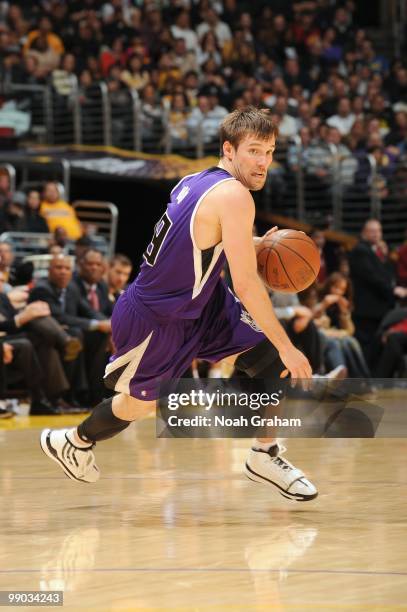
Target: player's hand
[(297, 365), (270, 232)]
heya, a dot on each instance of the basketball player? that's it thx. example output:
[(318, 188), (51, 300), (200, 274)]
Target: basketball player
[(179, 309)]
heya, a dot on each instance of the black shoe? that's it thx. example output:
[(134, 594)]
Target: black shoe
[(43, 407), (70, 407)]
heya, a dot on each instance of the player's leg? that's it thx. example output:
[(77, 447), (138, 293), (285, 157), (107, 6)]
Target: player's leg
[(72, 448), (264, 463), (246, 346)]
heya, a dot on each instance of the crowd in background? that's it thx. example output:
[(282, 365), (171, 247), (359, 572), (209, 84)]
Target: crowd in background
[(329, 89)]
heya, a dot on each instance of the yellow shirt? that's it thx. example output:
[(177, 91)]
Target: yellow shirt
[(61, 214)]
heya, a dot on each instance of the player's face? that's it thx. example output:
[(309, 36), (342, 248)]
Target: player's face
[(252, 159)]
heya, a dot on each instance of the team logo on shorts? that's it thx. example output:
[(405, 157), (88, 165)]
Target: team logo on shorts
[(246, 318)]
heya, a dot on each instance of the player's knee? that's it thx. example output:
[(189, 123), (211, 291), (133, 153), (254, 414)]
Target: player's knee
[(261, 361), (130, 408)]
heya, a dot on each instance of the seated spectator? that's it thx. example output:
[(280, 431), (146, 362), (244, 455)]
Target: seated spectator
[(298, 323), (208, 49), (12, 217), (47, 58), (15, 271), (344, 119), (114, 56), (118, 274), (92, 288), (90, 282), (177, 121), (392, 335), (45, 29), (211, 21), (183, 59), (38, 344), (72, 311), (63, 78), (204, 120), (333, 315), (34, 222), (287, 127), (135, 76), (57, 212), (182, 29)]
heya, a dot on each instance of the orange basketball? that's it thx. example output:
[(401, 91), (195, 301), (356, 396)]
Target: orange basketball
[(288, 261)]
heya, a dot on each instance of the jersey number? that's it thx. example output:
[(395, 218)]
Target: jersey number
[(161, 229)]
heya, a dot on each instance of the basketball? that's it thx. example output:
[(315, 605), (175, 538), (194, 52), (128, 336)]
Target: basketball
[(288, 261)]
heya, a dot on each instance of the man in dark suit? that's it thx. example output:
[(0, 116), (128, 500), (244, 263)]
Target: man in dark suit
[(73, 312), (373, 283), (33, 339), (89, 279)]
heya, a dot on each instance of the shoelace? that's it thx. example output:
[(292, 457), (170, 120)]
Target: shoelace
[(283, 464)]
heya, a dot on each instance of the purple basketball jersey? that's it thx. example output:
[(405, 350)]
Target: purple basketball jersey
[(177, 278)]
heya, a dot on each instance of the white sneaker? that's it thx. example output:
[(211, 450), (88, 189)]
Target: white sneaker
[(77, 463), (269, 468)]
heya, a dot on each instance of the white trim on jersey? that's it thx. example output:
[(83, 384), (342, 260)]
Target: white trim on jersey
[(197, 253), (132, 358), (183, 179)]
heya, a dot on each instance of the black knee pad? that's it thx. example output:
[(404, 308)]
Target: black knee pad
[(261, 361), (102, 423)]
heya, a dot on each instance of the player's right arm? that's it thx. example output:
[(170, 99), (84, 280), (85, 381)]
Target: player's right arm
[(236, 213)]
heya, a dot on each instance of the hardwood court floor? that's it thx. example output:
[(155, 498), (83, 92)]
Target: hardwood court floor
[(173, 525)]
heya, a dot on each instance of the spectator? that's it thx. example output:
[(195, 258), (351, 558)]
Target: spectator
[(151, 114), (118, 274), (336, 308), (209, 49), (89, 280), (344, 119), (177, 121), (72, 311), (57, 212), (183, 59), (93, 289), (114, 56), (13, 217), (45, 30), (182, 29), (34, 222), (212, 22), (372, 277), (135, 76), (287, 126), (36, 343), (203, 120), (16, 271)]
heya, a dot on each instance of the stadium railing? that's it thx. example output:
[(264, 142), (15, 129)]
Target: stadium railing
[(104, 216)]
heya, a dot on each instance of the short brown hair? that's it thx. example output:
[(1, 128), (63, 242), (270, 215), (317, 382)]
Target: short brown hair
[(248, 120), (121, 260)]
